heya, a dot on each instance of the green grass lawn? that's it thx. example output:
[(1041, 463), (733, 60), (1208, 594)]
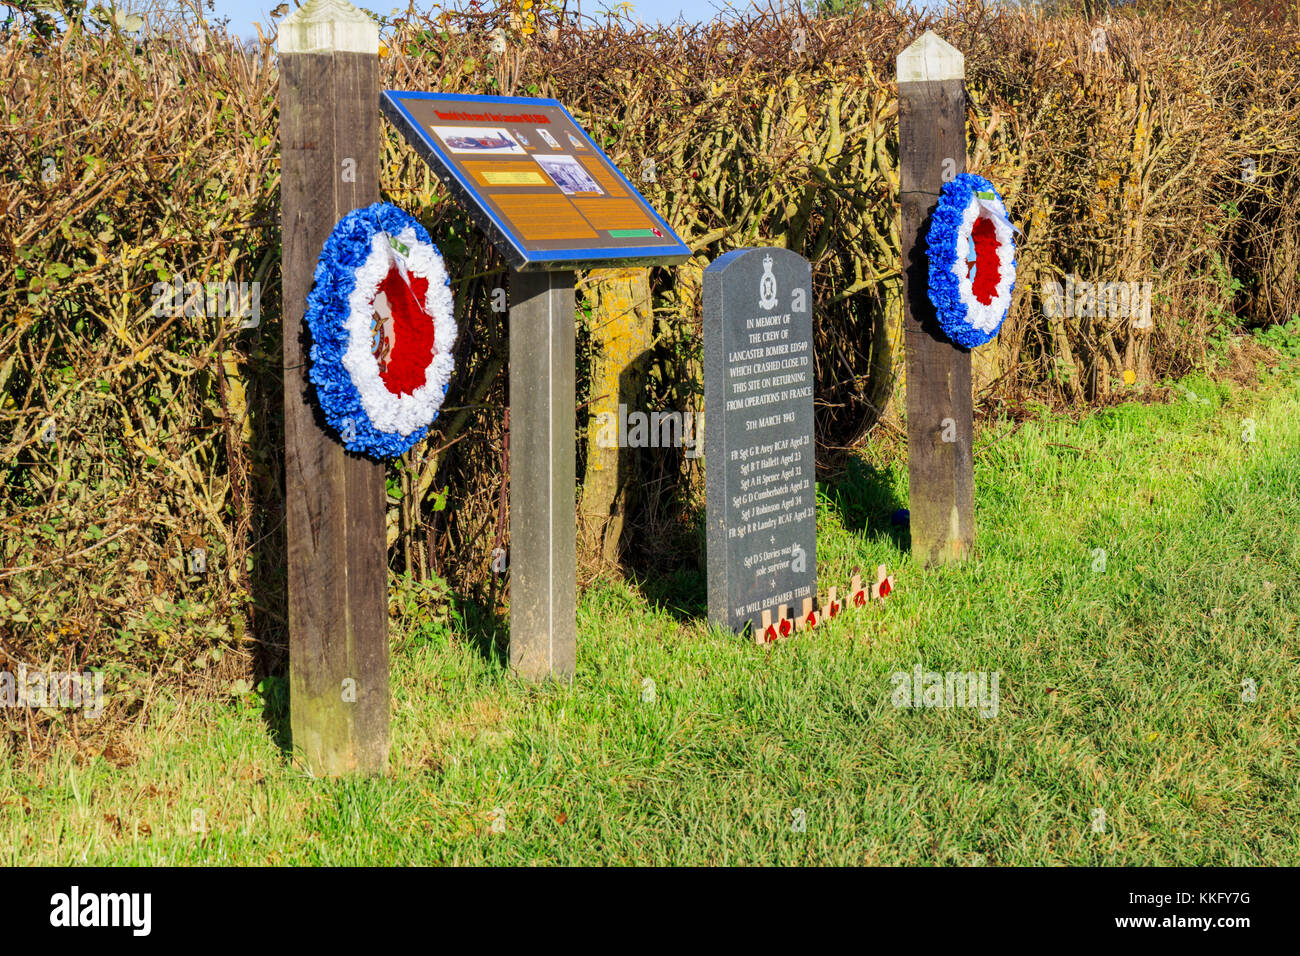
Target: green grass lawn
[(1120, 691)]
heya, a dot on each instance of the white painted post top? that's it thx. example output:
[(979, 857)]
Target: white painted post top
[(930, 57), (328, 26)]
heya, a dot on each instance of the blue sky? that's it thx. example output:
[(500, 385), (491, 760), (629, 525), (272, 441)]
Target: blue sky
[(242, 13)]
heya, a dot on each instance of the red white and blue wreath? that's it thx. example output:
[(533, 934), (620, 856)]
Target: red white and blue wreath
[(382, 328), (972, 260)]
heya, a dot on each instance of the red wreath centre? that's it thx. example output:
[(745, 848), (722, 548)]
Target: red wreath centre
[(403, 339), (985, 285)]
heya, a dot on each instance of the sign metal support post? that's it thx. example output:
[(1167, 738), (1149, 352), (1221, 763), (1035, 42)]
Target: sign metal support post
[(543, 514)]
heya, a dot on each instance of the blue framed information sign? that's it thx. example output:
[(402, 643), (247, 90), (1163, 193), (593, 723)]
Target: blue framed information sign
[(534, 181)]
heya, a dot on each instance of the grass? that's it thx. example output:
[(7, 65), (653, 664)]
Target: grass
[(1121, 690)]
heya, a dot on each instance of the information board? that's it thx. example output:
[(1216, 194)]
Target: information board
[(538, 185)]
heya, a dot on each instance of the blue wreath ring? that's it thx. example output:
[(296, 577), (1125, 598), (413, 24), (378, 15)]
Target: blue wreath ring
[(972, 260), (382, 329)]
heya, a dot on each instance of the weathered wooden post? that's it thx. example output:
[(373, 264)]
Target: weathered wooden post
[(932, 150), (622, 335), (334, 500)]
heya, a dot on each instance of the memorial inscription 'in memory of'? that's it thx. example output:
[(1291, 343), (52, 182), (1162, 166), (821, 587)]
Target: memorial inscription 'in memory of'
[(758, 419)]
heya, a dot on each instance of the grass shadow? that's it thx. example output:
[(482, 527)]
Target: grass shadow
[(274, 691), (864, 497), (486, 631), (681, 593)]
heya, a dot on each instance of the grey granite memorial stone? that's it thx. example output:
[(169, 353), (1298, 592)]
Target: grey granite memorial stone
[(758, 435)]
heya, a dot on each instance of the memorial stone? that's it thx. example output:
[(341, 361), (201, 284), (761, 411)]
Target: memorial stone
[(758, 421)]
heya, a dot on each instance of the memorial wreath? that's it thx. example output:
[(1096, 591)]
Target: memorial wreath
[(382, 328), (972, 260)]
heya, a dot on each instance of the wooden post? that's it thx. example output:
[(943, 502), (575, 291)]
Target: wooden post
[(622, 334), (543, 514), (337, 553), (932, 149)]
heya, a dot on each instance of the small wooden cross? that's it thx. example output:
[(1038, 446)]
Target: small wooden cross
[(832, 606), (884, 583), (808, 618), (857, 594)]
